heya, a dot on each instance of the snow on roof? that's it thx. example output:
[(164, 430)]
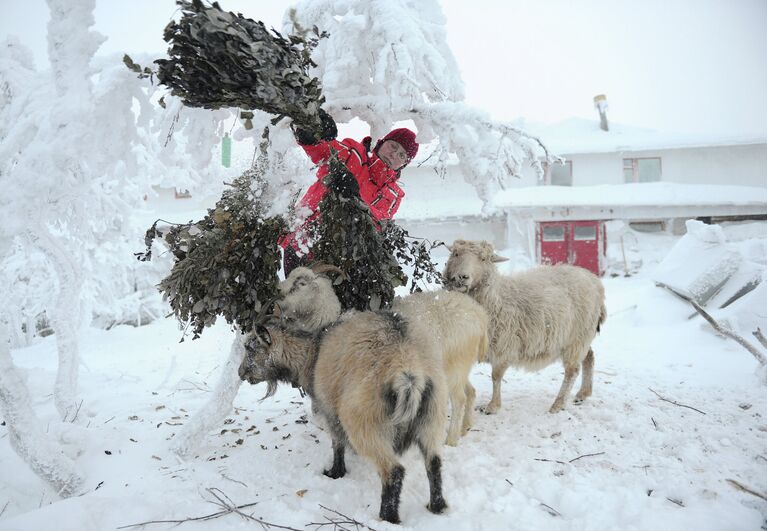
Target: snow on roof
[(634, 194), (579, 135)]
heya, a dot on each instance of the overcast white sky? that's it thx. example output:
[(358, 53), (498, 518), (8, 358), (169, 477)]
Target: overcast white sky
[(674, 65)]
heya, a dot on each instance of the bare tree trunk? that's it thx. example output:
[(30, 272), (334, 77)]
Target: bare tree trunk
[(24, 429), (219, 404)]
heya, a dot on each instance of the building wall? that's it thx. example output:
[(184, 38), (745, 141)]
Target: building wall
[(726, 165)]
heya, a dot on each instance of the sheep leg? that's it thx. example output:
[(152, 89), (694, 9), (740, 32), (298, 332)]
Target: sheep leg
[(433, 462), (471, 394), (587, 378), (458, 405), (495, 402), (567, 384)]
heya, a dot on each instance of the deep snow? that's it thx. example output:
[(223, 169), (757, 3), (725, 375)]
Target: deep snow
[(657, 465)]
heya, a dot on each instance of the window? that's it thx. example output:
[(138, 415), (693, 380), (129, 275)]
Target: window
[(644, 170), (553, 234), (560, 174), (585, 233)]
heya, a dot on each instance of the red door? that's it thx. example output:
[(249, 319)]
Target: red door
[(553, 242), (580, 243), (584, 245)]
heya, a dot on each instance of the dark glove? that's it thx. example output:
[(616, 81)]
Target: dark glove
[(328, 131)]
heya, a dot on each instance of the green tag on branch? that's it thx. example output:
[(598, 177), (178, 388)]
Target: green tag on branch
[(226, 151)]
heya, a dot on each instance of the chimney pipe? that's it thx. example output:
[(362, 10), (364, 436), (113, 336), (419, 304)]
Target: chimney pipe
[(600, 103)]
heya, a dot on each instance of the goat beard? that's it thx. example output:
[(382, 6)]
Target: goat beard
[(271, 389)]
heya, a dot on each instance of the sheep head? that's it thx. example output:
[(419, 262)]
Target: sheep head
[(469, 264)]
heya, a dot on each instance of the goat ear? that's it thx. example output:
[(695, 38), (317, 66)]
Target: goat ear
[(495, 259), (263, 335), (277, 311)]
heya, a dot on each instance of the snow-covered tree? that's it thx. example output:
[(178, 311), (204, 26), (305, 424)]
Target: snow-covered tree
[(81, 145), (388, 60)]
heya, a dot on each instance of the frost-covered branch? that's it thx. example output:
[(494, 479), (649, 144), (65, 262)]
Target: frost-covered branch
[(25, 431)]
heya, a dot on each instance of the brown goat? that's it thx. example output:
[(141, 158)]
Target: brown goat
[(376, 379)]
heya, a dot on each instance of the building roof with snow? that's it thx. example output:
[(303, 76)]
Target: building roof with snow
[(634, 201), (580, 135)]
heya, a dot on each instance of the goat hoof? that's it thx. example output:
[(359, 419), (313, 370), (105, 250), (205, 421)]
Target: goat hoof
[(437, 506), (392, 517), (334, 474), (556, 408), (488, 409), (451, 441)]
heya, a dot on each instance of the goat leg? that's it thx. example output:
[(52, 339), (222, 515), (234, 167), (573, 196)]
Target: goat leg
[(390, 493)]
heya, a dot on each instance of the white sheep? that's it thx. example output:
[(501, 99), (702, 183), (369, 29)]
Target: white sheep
[(537, 317), (375, 378), (456, 322), (459, 325)]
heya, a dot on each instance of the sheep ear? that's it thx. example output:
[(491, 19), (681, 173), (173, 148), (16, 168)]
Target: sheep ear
[(263, 335), (495, 259)]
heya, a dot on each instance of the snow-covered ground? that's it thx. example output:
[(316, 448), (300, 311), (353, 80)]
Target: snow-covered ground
[(626, 459)]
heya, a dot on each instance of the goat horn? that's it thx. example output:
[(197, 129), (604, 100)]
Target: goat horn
[(495, 259), (326, 268)]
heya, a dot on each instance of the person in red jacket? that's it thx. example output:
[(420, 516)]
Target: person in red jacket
[(376, 172)]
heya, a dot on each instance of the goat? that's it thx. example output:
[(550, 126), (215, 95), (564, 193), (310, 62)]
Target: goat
[(374, 377), (456, 322), (307, 297), (538, 316)]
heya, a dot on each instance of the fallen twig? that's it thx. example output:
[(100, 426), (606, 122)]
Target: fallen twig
[(654, 423), (742, 487), (77, 412), (760, 357), (227, 506), (549, 509), (677, 502), (585, 455), (337, 523), (760, 337), (549, 461), (675, 403), (5, 507), (233, 480), (761, 457)]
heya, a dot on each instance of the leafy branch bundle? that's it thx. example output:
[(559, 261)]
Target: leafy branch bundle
[(225, 264), (222, 59), (347, 236)]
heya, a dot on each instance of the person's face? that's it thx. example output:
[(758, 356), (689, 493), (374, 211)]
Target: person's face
[(393, 154)]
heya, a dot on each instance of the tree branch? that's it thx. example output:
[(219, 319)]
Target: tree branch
[(676, 403), (760, 337), (742, 487), (228, 507), (760, 357)]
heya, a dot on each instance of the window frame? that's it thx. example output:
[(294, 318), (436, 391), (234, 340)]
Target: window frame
[(632, 163), (547, 172)]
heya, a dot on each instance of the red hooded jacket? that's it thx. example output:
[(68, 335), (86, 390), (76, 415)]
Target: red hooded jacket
[(378, 183)]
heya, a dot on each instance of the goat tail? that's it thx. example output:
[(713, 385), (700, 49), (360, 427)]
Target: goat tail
[(602, 317), (405, 394)]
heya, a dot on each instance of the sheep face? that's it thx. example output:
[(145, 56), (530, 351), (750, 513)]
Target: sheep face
[(469, 264)]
